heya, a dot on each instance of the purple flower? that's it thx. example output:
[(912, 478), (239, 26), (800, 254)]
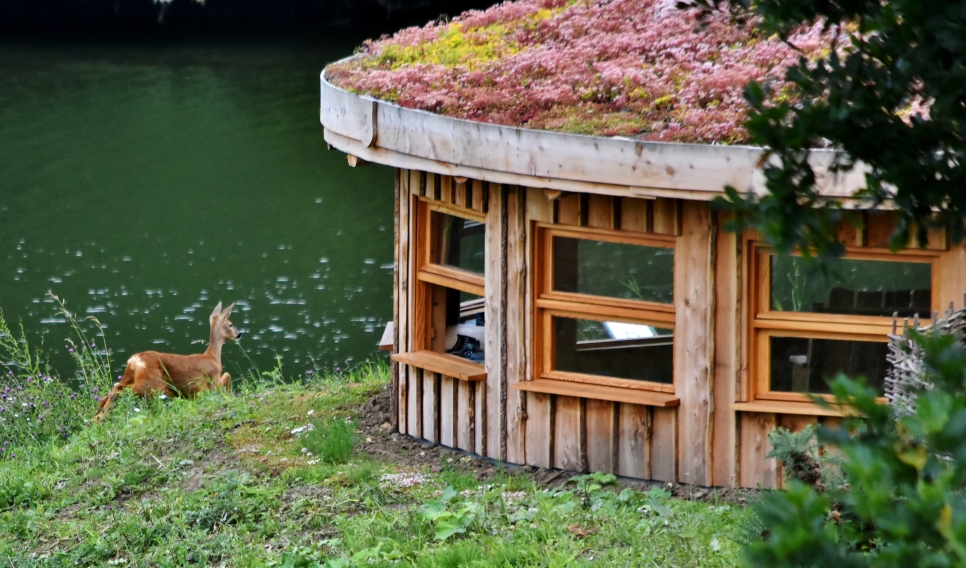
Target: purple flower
[(70, 350), (309, 372), (95, 389)]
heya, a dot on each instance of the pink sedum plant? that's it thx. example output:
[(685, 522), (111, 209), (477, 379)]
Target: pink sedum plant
[(639, 68)]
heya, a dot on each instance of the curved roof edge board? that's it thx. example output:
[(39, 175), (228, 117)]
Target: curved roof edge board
[(385, 133)]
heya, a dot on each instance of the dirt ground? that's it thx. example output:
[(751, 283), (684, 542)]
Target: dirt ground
[(406, 450)]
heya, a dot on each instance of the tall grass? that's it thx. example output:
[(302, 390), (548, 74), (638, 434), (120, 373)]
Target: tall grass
[(39, 406)]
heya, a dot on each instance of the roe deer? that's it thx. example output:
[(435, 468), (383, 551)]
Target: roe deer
[(149, 373)]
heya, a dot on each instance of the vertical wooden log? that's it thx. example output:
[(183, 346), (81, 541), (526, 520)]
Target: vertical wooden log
[(537, 437), (567, 427), (600, 432), (635, 215), (446, 189), (447, 411), (878, 228), (537, 413), (600, 211), (754, 468), (430, 408), (949, 278), (727, 334), (667, 216), (471, 416), (634, 441), (464, 412), (495, 254), (694, 340), (476, 200), (413, 402), (480, 417), (850, 230), (429, 186), (568, 209), (664, 429), (513, 437), (459, 193), (393, 365), (402, 292)]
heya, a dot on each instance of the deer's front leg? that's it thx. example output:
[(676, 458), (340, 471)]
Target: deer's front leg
[(224, 382)]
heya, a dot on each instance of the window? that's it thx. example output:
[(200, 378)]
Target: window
[(809, 325), (604, 308), (448, 321)]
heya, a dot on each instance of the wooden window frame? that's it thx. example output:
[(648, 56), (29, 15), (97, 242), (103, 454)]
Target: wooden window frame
[(430, 279), (549, 304), (765, 323)]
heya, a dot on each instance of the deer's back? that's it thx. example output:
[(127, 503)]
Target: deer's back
[(187, 374)]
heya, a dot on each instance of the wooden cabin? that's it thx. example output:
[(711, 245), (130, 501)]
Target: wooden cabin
[(574, 302)]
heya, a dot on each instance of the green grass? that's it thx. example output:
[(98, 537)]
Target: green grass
[(242, 480), (331, 441), (223, 481)]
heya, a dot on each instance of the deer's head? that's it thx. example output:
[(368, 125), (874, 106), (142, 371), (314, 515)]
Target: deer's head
[(221, 326)]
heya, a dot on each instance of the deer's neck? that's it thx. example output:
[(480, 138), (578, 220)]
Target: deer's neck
[(215, 342)]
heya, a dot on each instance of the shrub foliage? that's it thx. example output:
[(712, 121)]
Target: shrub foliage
[(902, 503)]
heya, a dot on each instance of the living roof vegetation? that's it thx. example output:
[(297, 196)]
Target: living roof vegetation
[(639, 68)]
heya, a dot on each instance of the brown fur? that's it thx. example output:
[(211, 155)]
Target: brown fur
[(150, 373)]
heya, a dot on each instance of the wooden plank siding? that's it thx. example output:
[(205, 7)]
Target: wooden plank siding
[(693, 344), (703, 440), (727, 345)]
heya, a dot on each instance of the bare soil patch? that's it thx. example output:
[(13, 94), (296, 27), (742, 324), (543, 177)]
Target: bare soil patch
[(405, 450)]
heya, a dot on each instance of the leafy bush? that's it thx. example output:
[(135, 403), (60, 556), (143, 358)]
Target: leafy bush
[(903, 503), (37, 406)]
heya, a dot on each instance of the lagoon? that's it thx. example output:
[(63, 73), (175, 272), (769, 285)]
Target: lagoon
[(142, 183)]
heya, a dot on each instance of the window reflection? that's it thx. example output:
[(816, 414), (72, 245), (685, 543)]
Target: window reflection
[(614, 349), (855, 287), (459, 242), (614, 270), (808, 364)]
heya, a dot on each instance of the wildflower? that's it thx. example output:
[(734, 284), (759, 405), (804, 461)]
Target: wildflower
[(94, 389), (309, 372), (70, 350)]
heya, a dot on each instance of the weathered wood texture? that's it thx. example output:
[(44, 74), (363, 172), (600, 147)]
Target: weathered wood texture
[(705, 440), (754, 468), (386, 133), (495, 254), (513, 447), (727, 333), (693, 342)]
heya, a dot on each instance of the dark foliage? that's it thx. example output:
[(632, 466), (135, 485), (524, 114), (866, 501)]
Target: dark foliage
[(902, 503), (897, 55), (150, 18)]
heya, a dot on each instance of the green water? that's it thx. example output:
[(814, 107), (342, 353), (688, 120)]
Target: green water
[(142, 184)]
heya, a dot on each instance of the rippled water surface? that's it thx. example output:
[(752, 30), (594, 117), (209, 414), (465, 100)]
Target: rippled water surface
[(142, 184)]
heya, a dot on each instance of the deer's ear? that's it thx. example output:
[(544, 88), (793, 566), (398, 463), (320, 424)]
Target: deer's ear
[(215, 313), (227, 311)]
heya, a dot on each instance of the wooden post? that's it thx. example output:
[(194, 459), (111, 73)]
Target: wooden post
[(693, 341)]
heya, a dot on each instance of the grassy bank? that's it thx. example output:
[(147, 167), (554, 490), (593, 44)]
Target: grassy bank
[(223, 480)]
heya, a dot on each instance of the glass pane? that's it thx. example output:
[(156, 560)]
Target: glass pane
[(806, 365), (614, 349), (465, 325), (615, 270), (856, 287), (459, 242)]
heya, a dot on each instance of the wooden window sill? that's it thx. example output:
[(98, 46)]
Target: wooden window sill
[(783, 407), (449, 365), (615, 394)]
